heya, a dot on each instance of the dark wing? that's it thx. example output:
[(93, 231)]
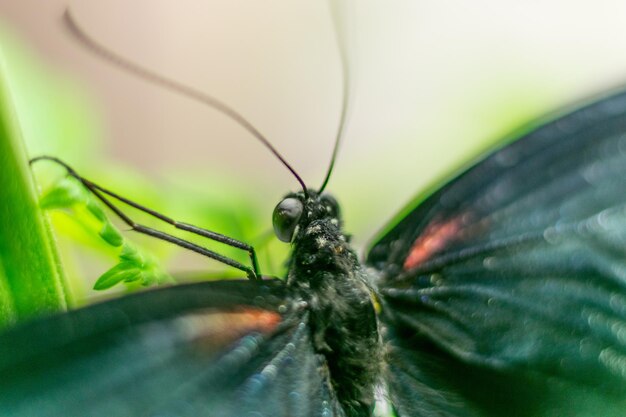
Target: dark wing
[(219, 349), (504, 292)]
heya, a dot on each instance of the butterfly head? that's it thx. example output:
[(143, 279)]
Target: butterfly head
[(296, 210)]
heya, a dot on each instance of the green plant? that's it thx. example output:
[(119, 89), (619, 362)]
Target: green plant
[(31, 277)]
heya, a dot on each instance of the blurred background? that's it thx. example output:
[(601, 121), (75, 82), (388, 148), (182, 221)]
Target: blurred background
[(434, 84)]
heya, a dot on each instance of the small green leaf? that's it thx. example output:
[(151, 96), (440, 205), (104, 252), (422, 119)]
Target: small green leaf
[(63, 194), (124, 271), (135, 277), (155, 276), (111, 235), (95, 209), (131, 254)]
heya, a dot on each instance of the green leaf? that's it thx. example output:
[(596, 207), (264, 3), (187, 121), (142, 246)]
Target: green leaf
[(131, 254), (111, 235), (65, 193), (155, 276), (95, 209), (124, 271)]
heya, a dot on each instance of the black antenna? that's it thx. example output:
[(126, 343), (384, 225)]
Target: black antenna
[(345, 91), (172, 85)]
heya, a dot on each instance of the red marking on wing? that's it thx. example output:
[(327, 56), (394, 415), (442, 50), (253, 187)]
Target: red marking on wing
[(436, 236), (212, 330)]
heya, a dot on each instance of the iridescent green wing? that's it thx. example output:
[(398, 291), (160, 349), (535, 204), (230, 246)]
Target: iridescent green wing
[(504, 292), (229, 348)]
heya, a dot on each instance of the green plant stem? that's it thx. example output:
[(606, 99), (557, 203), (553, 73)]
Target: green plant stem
[(31, 281)]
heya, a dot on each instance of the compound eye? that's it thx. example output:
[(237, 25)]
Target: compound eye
[(285, 218)]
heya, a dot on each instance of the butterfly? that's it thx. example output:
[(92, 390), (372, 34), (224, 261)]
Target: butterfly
[(503, 293)]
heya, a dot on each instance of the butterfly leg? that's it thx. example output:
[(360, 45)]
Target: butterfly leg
[(253, 272)]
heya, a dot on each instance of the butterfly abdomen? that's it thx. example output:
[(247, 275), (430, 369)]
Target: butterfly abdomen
[(326, 274)]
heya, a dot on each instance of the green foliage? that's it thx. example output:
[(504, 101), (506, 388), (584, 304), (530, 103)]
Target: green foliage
[(57, 118), (64, 194), (134, 266), (111, 235), (31, 279), (122, 272)]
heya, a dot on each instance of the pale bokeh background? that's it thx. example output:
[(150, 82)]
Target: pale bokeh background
[(435, 81)]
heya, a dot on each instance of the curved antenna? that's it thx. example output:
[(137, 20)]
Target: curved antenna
[(345, 78), (174, 86)]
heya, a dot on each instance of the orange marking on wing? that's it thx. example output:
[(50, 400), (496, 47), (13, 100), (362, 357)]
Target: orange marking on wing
[(212, 330), (435, 237)]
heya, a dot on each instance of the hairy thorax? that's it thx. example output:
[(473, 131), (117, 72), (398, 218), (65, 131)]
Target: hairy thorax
[(325, 273)]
